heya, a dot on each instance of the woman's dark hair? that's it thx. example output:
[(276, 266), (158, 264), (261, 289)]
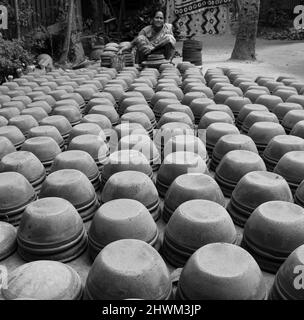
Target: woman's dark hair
[(159, 10)]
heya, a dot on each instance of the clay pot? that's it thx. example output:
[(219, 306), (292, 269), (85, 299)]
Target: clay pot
[(8, 243)]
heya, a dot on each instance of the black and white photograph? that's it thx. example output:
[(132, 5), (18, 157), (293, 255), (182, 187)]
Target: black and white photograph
[(151, 156)]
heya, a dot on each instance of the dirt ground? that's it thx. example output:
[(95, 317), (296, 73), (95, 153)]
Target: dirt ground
[(274, 57)]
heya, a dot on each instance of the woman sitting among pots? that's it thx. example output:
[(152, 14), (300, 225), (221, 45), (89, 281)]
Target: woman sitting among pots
[(157, 38)]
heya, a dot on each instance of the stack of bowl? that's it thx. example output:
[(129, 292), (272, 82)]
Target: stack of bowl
[(221, 271), (128, 268), (15, 194), (273, 231), (234, 165), (121, 219), (8, 243), (124, 160), (258, 116), (51, 229), (27, 164), (254, 189), (191, 186), (176, 164), (246, 110), (195, 223), (13, 134), (44, 148), (79, 160), (229, 143), (288, 283), (278, 147), (283, 108), (133, 185), (291, 168), (75, 187), (6, 147), (291, 118), (43, 280), (145, 145), (94, 145), (262, 132)]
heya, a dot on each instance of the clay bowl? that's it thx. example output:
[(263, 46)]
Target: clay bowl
[(8, 243), (14, 135), (297, 98), (14, 104), (3, 121), (236, 103), (222, 96), (130, 268), (16, 193), (93, 145), (218, 107), (125, 160), (279, 146), (70, 112), (66, 102), (46, 98), (97, 102), (273, 231), (86, 92), (205, 277), (121, 219), (258, 116), (125, 129), (228, 143), (77, 97), (187, 143), (24, 123), (129, 102), (215, 131), (44, 148), (4, 98), (132, 185), (61, 123), (87, 128), (161, 104), (75, 187), (162, 95), (272, 85), (9, 113), (27, 164), (57, 94), (24, 99), (47, 131), (194, 224), (176, 164), (36, 281), (146, 91), (6, 147), (297, 85), (108, 111), (176, 90), (51, 229), (290, 167), (16, 93), (218, 86), (262, 132), (284, 94), (234, 165), (120, 82), (191, 186), (190, 96), (255, 93), (291, 118), (78, 160), (41, 104), (174, 117), (269, 101), (138, 117), (116, 91), (142, 143), (283, 108), (254, 189), (298, 129), (177, 107), (131, 94), (144, 109), (37, 113), (246, 110), (284, 287), (101, 120), (214, 117)]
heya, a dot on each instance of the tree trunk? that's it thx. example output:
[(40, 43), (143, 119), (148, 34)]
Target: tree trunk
[(17, 19), (76, 43), (244, 48), (67, 40)]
